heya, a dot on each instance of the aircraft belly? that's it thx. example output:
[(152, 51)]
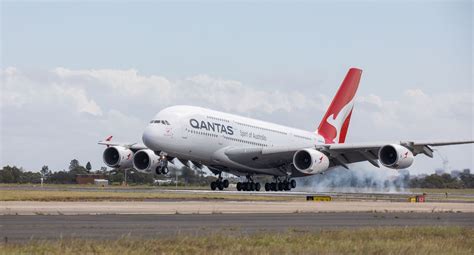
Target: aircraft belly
[(220, 159)]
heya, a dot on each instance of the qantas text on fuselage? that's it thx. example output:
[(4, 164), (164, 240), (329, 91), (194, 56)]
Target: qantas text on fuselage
[(247, 147)]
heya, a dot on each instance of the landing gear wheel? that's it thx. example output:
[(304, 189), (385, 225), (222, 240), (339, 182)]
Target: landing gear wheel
[(213, 185), (280, 186), (239, 186), (273, 186), (293, 184), (257, 186), (220, 185), (286, 186), (252, 186), (162, 165), (267, 186), (225, 183)]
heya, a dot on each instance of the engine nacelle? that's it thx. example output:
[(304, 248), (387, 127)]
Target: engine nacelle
[(395, 156), (146, 160), (310, 161), (118, 157)]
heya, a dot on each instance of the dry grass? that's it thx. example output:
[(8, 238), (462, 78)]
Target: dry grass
[(68, 195), (93, 186), (387, 240)]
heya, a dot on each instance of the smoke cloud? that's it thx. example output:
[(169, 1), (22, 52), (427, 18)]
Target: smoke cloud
[(356, 179)]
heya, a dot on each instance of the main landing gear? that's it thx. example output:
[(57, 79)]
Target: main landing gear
[(162, 167), (278, 185), (219, 183), (249, 185)]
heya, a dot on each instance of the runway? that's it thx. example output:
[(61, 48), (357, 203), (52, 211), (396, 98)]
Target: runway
[(24, 228), (223, 206)]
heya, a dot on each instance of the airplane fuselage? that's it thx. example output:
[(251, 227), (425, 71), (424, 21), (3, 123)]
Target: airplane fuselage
[(200, 135)]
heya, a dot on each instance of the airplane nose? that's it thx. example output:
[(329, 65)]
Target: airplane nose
[(150, 137)]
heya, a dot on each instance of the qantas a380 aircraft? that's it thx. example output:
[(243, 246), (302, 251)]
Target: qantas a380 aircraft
[(247, 147)]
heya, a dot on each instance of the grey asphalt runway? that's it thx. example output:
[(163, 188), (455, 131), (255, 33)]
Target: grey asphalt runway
[(15, 228)]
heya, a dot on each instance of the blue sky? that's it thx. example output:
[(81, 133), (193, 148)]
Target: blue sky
[(402, 46), (249, 42)]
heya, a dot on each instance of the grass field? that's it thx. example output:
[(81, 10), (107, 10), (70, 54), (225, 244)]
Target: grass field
[(387, 240), (75, 192), (109, 187), (68, 195)]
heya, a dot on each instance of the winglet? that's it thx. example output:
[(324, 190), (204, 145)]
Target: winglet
[(108, 139)]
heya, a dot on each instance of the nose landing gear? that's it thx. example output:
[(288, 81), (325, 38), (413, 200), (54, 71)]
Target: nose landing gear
[(220, 183), (162, 167)]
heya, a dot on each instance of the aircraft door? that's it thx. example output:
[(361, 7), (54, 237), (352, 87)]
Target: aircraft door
[(184, 131)]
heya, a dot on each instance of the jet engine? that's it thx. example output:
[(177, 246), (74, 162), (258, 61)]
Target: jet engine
[(146, 160), (117, 157), (395, 156), (310, 161)]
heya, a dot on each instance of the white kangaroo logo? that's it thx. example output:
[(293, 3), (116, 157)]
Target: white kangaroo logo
[(337, 122)]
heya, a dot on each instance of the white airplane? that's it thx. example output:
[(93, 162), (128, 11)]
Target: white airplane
[(247, 147)]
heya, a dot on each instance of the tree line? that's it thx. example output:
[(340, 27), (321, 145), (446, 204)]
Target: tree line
[(186, 175), (448, 181), (195, 176)]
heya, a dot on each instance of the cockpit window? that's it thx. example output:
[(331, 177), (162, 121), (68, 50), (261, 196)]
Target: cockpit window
[(164, 122)]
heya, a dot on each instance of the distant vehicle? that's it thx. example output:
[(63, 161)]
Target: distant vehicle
[(247, 147), (162, 182)]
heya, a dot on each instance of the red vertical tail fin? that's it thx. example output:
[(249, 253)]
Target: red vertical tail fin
[(334, 125)]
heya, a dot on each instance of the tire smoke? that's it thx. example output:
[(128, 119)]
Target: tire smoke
[(356, 179)]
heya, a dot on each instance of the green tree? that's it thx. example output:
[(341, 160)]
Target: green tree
[(10, 174), (88, 166), (116, 177), (75, 168), (74, 164), (30, 177), (45, 172), (62, 177), (433, 181), (467, 179)]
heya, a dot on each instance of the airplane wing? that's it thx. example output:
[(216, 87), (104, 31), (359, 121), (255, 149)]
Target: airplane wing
[(339, 154), (131, 146)]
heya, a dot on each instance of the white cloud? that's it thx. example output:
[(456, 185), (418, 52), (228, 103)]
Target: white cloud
[(416, 93), (226, 94), (79, 98), (20, 89)]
